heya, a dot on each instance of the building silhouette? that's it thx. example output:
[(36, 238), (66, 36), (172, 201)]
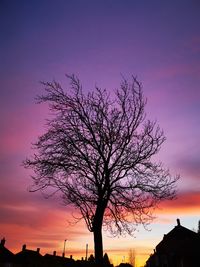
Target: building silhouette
[(28, 258), (6, 256), (33, 258), (179, 248)]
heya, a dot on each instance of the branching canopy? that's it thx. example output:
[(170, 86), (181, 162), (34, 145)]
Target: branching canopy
[(98, 151)]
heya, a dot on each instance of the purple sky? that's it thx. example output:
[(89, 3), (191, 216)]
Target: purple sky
[(158, 41)]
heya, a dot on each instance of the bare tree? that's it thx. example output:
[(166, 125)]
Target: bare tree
[(97, 152), (131, 256)]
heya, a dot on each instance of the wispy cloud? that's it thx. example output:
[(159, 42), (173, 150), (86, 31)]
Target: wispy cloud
[(186, 203)]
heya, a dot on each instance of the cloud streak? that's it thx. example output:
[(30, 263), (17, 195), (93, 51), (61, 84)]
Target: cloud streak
[(186, 203)]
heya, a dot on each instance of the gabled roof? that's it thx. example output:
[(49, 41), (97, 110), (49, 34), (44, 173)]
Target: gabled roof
[(178, 238), (27, 255)]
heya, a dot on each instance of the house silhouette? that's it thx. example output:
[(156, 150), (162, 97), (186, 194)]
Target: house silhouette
[(33, 258), (179, 248), (28, 258), (58, 261), (6, 256)]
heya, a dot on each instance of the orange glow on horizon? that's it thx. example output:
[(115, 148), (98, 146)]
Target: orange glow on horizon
[(49, 227)]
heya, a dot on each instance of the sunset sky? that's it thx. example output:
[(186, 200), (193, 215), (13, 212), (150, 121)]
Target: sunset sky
[(99, 41)]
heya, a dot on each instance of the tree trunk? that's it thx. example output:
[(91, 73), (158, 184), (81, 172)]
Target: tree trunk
[(98, 244), (97, 231)]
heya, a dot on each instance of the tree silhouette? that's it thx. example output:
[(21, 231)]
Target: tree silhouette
[(97, 151), (131, 256), (106, 260)]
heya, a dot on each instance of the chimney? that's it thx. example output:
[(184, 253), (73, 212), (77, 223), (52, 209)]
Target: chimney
[(38, 250), (178, 222), (3, 241), (54, 253), (24, 247), (71, 257)]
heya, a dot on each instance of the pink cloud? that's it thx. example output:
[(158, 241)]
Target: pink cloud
[(186, 203), (38, 226)]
